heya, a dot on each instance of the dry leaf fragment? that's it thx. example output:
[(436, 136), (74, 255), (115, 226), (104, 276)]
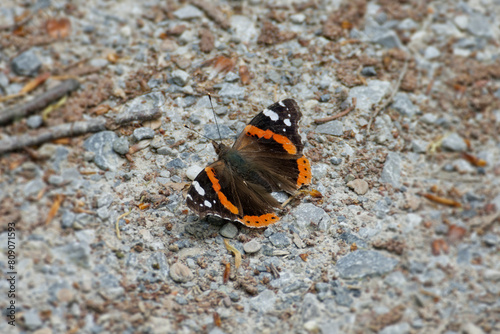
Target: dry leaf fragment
[(442, 200), (237, 254), (35, 83), (58, 28), (304, 256), (54, 209), (474, 160), (217, 321), (315, 193), (227, 271), (144, 206), (244, 75), (456, 233), (438, 246)]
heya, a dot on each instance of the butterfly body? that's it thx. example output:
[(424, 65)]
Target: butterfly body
[(266, 157)]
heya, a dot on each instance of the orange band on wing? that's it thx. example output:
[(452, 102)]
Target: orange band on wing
[(260, 221), (304, 171), (216, 185), (251, 130)]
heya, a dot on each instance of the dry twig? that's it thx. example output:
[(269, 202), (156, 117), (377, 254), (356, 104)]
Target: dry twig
[(39, 102), (341, 114), (75, 129)]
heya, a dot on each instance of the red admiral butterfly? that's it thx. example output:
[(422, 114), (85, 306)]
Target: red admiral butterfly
[(266, 157)]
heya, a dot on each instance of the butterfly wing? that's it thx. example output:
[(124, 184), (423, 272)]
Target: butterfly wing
[(272, 144), (220, 192)]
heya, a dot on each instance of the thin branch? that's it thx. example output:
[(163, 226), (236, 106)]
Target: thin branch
[(39, 102), (75, 129), (342, 114), (391, 97)]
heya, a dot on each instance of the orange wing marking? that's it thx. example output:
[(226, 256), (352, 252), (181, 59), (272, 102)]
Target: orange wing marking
[(216, 185), (251, 130), (304, 171)]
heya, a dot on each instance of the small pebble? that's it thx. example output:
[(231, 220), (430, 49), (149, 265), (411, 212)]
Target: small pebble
[(229, 231), (252, 247), (359, 186), (180, 273)]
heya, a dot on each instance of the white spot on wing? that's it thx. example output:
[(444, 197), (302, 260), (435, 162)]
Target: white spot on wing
[(208, 204), (271, 114), (287, 122), (198, 188), (281, 103), (189, 197)]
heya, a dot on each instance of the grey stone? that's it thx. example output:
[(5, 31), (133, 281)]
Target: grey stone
[(307, 213), (367, 96), (181, 300), (461, 21), (478, 25), (454, 142), (429, 118), (298, 18), (180, 78), (180, 273), (26, 64), (334, 128), (67, 219), (403, 105), (264, 302), (310, 308), (392, 170), (232, 91), (325, 98), (229, 231), (431, 52), (188, 12), (280, 240), (157, 263), (419, 146), (368, 71), (401, 328), (34, 121), (363, 263), (31, 319), (396, 279), (381, 208), (295, 286), (342, 297), (77, 253), (231, 77), (176, 163), (143, 133), (98, 62), (244, 28), (101, 144), (252, 247), (33, 187), (144, 104), (350, 238), (336, 160), (56, 180), (388, 39), (211, 131), (121, 145)]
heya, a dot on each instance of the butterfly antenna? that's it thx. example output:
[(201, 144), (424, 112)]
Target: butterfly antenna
[(198, 133), (215, 116)]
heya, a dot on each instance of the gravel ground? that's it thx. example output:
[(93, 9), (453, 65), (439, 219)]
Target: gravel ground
[(398, 232)]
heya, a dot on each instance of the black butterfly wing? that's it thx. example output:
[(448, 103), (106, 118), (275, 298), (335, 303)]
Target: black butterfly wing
[(220, 192), (271, 143)]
